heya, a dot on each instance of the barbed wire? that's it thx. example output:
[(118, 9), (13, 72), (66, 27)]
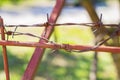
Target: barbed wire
[(63, 24), (67, 47), (12, 33)]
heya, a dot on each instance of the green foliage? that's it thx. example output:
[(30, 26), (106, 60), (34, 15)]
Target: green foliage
[(15, 1), (6, 2)]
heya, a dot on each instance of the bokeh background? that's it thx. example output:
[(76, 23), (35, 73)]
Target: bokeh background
[(59, 65)]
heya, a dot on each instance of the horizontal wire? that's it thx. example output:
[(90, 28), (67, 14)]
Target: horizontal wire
[(23, 25), (60, 24), (59, 46), (27, 34)]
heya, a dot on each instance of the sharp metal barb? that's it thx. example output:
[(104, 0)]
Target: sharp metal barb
[(14, 31), (53, 52), (47, 17), (100, 21), (7, 37), (95, 30), (101, 17)]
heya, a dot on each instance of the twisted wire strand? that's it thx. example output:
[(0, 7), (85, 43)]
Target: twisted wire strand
[(60, 24)]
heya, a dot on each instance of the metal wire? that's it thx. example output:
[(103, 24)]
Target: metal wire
[(52, 24), (14, 33)]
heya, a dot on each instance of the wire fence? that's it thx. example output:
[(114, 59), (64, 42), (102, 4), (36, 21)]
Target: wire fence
[(67, 47)]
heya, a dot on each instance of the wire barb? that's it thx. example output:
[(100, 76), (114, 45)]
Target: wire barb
[(14, 31)]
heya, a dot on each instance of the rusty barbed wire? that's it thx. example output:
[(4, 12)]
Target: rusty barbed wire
[(62, 24), (8, 33), (14, 33), (67, 48)]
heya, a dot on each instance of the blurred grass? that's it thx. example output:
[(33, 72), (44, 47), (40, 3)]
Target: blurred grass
[(60, 65)]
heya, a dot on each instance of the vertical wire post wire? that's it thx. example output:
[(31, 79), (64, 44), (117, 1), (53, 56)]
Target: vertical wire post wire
[(5, 59)]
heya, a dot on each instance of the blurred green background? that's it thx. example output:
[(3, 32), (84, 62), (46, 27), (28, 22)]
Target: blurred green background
[(60, 65)]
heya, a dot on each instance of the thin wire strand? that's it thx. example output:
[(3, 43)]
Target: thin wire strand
[(52, 24), (27, 34)]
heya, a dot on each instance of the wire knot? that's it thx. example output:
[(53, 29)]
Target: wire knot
[(9, 32), (46, 24), (66, 47)]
